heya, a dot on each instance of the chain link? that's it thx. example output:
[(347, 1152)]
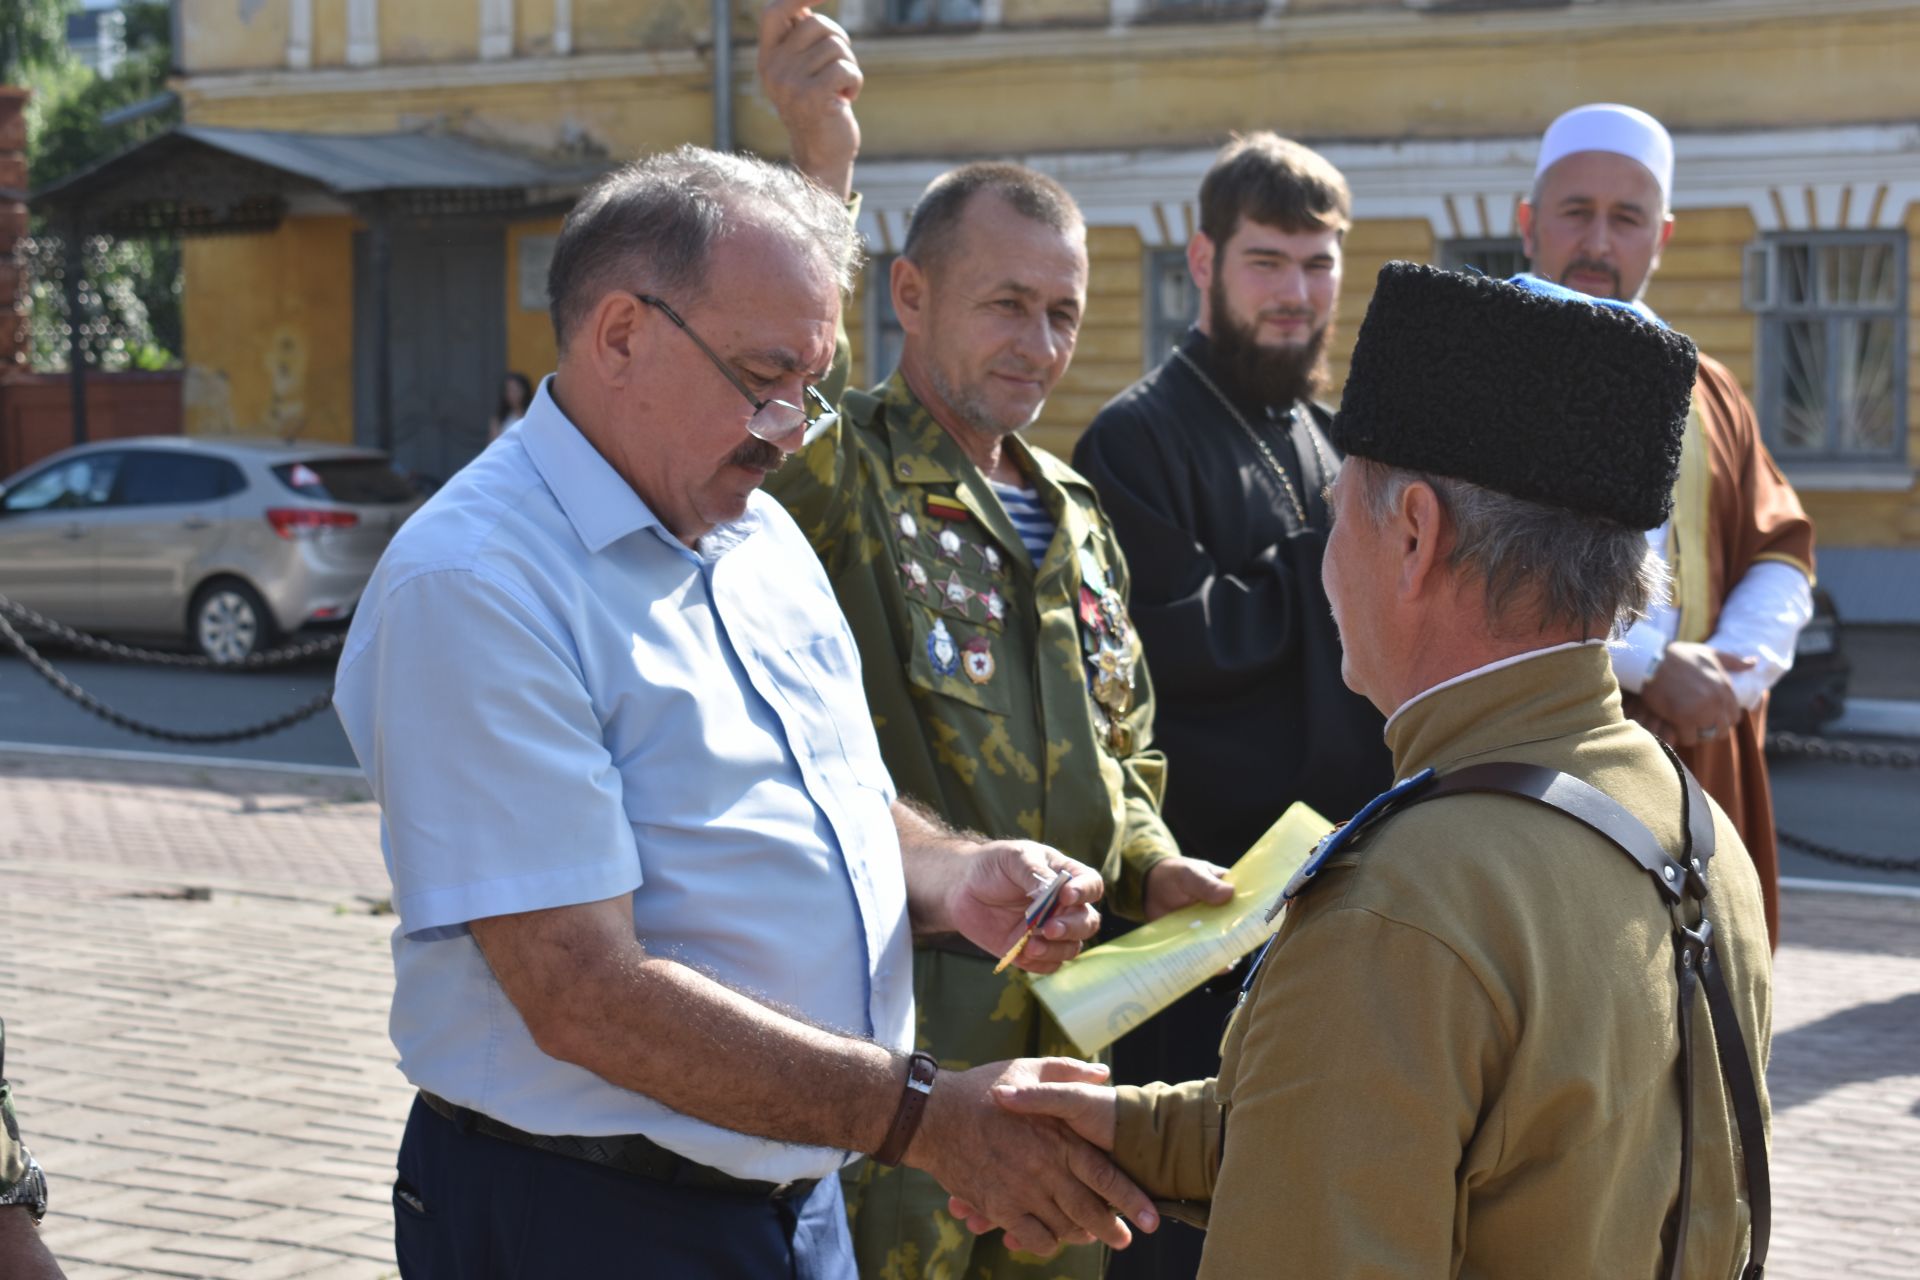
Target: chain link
[(1829, 853), (128, 653), (67, 688), (1793, 744)]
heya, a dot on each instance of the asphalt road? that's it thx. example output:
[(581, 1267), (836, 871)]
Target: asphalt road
[(32, 711), (1866, 810)]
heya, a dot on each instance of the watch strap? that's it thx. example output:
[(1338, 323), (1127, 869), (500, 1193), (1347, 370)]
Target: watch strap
[(921, 1071)]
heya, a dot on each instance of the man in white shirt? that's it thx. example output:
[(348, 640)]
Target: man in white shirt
[(1740, 547), (654, 887)]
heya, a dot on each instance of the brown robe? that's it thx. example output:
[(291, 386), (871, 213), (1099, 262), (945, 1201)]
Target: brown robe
[(1751, 514)]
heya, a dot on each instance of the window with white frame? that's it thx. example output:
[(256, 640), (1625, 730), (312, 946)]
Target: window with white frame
[(882, 325), (1172, 302), (1500, 257), (932, 13), (1832, 372)]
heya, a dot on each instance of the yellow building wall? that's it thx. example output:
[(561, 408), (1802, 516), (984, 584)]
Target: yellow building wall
[(220, 35), (269, 332), (329, 33), (1400, 76), (1345, 68), (629, 115), (533, 28), (606, 26), (429, 31), (1405, 77), (531, 348), (1033, 13)]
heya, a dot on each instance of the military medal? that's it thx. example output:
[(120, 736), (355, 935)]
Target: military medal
[(940, 649), (908, 526), (956, 592), (1090, 608), (943, 508), (990, 557), (996, 605), (950, 545), (1113, 678), (916, 576), (977, 660)]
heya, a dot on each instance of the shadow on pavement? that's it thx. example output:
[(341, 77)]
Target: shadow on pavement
[(1867, 1042)]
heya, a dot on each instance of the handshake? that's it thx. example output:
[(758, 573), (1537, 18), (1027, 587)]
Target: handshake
[(1023, 1146)]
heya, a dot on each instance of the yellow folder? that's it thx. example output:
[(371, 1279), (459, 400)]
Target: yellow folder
[(1109, 990)]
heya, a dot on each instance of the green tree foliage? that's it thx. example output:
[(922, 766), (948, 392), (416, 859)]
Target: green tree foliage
[(130, 301), (33, 34)]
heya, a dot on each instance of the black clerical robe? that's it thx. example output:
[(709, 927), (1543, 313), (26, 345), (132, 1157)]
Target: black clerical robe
[(1227, 595)]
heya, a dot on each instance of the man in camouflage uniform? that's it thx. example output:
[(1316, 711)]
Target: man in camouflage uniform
[(23, 1195), (1004, 677)]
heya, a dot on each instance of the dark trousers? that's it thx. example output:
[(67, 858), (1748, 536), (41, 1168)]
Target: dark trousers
[(470, 1207)]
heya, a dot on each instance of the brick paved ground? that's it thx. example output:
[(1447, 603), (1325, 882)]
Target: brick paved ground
[(210, 1084)]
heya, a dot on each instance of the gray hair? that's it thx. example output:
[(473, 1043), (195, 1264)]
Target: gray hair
[(1572, 569), (651, 226)]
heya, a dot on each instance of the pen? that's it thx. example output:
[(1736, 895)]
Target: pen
[(1037, 916)]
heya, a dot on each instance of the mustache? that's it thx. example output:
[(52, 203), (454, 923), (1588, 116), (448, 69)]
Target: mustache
[(1288, 313), (758, 454), (1593, 264)]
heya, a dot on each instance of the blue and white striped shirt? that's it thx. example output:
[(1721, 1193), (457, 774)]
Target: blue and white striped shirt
[(1030, 517)]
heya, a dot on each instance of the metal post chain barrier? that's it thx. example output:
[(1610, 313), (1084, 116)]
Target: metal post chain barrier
[(67, 688), (1866, 861), (1793, 744), (128, 653), (1811, 748)]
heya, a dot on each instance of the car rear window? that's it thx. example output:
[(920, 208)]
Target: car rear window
[(350, 480)]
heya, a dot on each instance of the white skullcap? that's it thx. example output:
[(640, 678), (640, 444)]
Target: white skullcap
[(1608, 126)]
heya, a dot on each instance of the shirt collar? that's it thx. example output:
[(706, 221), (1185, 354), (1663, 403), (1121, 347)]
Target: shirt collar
[(1421, 729), (599, 503)]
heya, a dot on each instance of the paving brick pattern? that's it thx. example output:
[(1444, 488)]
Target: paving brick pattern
[(210, 1085)]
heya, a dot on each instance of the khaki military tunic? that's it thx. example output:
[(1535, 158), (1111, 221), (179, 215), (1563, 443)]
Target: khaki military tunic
[(1460, 1057), (1009, 697)]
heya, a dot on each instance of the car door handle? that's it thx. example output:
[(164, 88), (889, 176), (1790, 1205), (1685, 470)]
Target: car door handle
[(195, 523), (73, 532)]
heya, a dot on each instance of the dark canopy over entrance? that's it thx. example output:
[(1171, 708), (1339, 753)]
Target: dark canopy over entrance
[(196, 180)]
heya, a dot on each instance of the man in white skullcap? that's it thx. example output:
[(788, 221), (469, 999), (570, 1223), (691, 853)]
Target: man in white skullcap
[(1697, 671)]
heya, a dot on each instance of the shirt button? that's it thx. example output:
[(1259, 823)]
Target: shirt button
[(906, 469)]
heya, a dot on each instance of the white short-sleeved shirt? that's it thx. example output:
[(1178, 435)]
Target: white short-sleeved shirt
[(556, 702)]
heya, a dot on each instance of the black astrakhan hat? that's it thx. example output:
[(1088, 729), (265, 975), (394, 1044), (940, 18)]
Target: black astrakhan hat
[(1525, 388)]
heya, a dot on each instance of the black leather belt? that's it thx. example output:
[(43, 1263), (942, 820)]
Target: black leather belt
[(627, 1153)]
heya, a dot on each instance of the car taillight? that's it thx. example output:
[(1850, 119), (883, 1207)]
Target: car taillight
[(304, 522)]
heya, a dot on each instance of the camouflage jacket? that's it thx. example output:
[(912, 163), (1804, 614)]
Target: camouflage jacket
[(1011, 700), (13, 1152)]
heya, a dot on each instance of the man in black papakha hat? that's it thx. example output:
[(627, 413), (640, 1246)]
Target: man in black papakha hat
[(1459, 1054)]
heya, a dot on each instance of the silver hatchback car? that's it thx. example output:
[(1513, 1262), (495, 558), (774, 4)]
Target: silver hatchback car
[(229, 543)]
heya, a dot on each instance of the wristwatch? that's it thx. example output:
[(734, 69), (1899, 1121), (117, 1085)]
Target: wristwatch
[(29, 1193)]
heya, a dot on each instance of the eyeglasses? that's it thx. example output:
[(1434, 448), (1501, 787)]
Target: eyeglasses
[(774, 421)]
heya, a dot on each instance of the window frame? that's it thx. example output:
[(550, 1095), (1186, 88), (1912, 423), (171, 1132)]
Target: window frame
[(873, 325), (1772, 316), (887, 23), (1155, 340), (1454, 253)]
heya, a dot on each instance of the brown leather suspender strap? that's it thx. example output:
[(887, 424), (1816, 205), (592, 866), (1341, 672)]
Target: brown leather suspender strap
[(1695, 964)]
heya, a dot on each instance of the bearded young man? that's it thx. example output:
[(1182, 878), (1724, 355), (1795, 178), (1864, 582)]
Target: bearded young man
[(1697, 670), (1213, 469)]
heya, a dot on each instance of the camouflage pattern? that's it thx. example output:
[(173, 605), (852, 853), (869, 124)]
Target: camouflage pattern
[(13, 1152), (901, 1228), (1009, 698)]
